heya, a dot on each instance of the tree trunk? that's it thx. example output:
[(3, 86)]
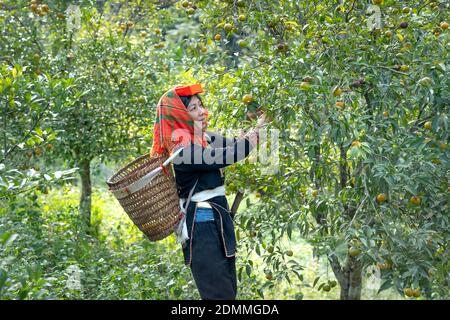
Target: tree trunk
[(349, 277), (86, 190)]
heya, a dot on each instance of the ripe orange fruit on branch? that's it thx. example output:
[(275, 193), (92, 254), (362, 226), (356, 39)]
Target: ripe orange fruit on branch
[(415, 200), (247, 99), (340, 104), (444, 25), (381, 198), (408, 292)]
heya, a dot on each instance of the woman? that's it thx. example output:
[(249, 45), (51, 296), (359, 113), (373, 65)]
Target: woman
[(209, 243)]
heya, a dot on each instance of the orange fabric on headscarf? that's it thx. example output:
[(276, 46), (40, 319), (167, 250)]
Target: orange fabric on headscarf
[(173, 125)]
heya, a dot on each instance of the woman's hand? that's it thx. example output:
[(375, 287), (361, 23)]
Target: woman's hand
[(262, 120)]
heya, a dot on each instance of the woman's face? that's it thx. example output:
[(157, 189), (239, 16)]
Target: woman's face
[(197, 113)]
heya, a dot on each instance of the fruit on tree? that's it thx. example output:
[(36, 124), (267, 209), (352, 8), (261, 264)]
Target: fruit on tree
[(404, 25), (228, 27), (337, 92), (340, 104), (404, 68), (304, 85), (354, 252), (356, 144), (242, 17), (415, 200), (217, 37), (247, 99), (386, 114), (408, 292), (428, 125), (185, 4), (444, 25), (242, 43), (425, 81), (289, 253), (269, 275), (326, 288), (381, 198)]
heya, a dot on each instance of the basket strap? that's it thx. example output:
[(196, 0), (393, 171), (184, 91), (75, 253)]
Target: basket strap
[(189, 197), (181, 229), (142, 182)]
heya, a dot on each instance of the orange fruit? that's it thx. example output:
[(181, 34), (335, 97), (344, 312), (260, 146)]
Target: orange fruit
[(247, 99), (408, 292), (444, 25), (217, 37), (340, 104), (415, 200), (381, 198), (356, 144)]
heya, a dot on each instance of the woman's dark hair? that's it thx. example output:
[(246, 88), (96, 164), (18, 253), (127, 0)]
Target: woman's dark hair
[(187, 99)]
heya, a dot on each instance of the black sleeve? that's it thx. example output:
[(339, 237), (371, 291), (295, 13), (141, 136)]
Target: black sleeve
[(197, 158)]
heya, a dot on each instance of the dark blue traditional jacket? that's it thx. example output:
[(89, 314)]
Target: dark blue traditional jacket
[(207, 171)]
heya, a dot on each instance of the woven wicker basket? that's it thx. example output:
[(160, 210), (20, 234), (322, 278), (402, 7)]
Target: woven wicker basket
[(147, 192)]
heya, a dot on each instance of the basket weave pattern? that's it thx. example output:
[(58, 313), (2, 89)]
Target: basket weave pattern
[(154, 209)]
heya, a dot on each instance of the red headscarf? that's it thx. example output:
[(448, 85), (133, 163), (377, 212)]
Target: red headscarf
[(173, 125)]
